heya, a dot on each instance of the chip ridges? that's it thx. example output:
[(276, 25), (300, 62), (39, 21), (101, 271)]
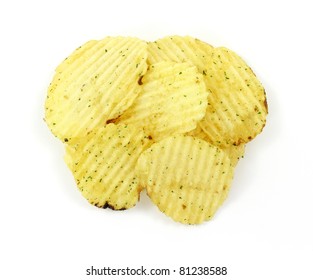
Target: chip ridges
[(235, 153), (185, 177), (237, 110), (172, 116), (103, 165), (173, 100), (98, 82), (180, 49)]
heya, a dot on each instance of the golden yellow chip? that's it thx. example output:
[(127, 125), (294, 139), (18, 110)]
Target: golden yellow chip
[(237, 106), (172, 116), (103, 164), (235, 153), (185, 177), (180, 49), (173, 100), (96, 83)]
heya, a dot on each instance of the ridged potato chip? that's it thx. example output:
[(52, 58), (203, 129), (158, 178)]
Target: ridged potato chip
[(103, 165), (185, 177), (235, 153), (173, 100), (96, 83), (172, 116), (180, 49), (237, 107)]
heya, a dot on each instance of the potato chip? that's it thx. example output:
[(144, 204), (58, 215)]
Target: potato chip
[(235, 153), (185, 177), (172, 116), (237, 107), (103, 164), (180, 49), (173, 100), (96, 83)]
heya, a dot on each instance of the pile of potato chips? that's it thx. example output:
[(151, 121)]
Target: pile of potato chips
[(171, 116)]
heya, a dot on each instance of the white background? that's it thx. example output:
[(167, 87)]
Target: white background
[(264, 229)]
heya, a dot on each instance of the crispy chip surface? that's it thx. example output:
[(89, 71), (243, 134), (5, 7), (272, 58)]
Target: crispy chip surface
[(235, 153), (172, 116), (96, 83), (173, 100), (103, 165), (185, 177), (180, 49), (237, 106)]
